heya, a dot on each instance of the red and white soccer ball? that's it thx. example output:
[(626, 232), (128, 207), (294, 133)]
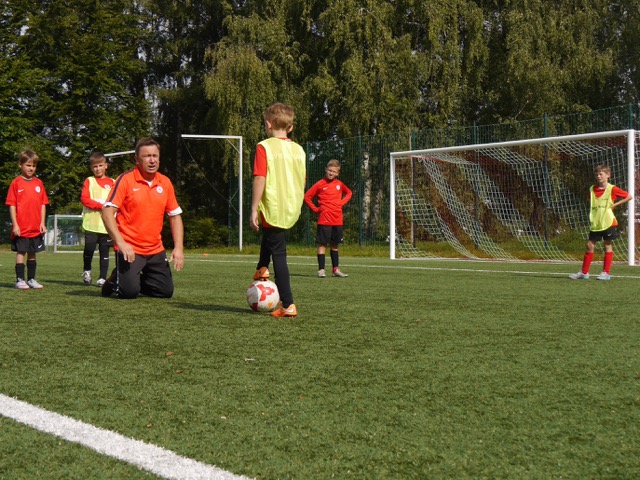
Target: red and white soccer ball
[(263, 296)]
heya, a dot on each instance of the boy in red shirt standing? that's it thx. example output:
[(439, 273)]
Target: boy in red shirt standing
[(27, 200), (604, 198), (95, 191), (332, 195)]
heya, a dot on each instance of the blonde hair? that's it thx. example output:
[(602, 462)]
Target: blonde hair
[(334, 163), (280, 116), (26, 155), (603, 168)]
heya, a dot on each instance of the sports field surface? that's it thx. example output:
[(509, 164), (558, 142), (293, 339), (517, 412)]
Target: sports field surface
[(404, 370)]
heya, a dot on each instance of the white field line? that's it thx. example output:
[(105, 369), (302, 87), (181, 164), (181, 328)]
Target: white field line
[(414, 267), (145, 456)]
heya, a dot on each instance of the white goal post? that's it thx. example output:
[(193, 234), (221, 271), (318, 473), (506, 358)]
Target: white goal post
[(517, 200), (239, 151)]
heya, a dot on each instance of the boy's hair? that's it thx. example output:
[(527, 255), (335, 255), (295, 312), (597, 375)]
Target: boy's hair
[(96, 157), (602, 168), (26, 155), (334, 163), (280, 116), (145, 142)]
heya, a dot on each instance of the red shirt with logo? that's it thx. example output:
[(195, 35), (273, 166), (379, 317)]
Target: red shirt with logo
[(28, 196), (141, 208), (332, 196)]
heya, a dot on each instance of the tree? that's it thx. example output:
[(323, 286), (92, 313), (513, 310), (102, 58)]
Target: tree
[(547, 56), (624, 38), (179, 34), (89, 85)]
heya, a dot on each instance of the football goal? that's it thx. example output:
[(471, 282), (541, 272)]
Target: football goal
[(519, 200), (234, 197), (64, 234)]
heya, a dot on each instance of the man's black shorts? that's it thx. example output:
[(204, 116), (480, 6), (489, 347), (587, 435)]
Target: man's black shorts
[(148, 274), (327, 234), (610, 233)]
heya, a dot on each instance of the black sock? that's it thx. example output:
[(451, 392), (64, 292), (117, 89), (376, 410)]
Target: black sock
[(334, 259), (321, 261), (19, 271), (31, 269)]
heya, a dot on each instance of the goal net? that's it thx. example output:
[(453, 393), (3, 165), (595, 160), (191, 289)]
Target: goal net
[(520, 200), (64, 233), (228, 171)]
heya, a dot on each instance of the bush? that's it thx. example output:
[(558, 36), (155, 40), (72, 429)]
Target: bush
[(198, 233)]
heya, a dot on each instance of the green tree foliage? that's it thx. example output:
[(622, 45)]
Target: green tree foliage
[(77, 86), (255, 64), (177, 36), (548, 56), (625, 29), (84, 75)]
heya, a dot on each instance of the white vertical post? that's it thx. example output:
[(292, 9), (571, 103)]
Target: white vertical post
[(392, 208), (240, 195), (631, 188), (55, 233)]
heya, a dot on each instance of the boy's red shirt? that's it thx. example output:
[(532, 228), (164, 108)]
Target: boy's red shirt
[(28, 196), (332, 196)]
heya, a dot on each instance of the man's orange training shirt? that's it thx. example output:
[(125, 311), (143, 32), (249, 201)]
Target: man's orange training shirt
[(141, 209)]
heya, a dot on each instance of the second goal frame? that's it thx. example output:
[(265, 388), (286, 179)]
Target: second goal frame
[(239, 150), (453, 177)]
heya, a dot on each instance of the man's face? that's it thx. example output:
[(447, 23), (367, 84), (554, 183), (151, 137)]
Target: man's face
[(148, 160)]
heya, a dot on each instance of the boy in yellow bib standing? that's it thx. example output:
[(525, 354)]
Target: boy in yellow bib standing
[(279, 174), (95, 191), (604, 226)]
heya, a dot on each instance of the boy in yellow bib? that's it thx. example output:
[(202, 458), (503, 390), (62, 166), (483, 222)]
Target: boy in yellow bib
[(279, 174), (95, 191), (604, 198)]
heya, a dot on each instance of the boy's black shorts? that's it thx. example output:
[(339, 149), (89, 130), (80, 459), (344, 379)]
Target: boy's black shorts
[(610, 233), (326, 234), (29, 245), (97, 238)]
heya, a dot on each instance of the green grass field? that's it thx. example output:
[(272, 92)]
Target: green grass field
[(404, 370)]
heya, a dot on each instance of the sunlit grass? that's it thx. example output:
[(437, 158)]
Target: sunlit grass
[(424, 369)]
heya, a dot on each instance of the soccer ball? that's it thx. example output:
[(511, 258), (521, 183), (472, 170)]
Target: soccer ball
[(263, 296)]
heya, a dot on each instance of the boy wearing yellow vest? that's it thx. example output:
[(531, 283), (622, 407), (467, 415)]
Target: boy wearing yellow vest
[(95, 191), (279, 174), (604, 198)]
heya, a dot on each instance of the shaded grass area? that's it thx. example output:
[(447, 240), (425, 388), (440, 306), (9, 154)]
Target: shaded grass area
[(422, 369)]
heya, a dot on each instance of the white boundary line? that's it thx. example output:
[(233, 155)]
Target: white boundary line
[(145, 456), (411, 267)]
